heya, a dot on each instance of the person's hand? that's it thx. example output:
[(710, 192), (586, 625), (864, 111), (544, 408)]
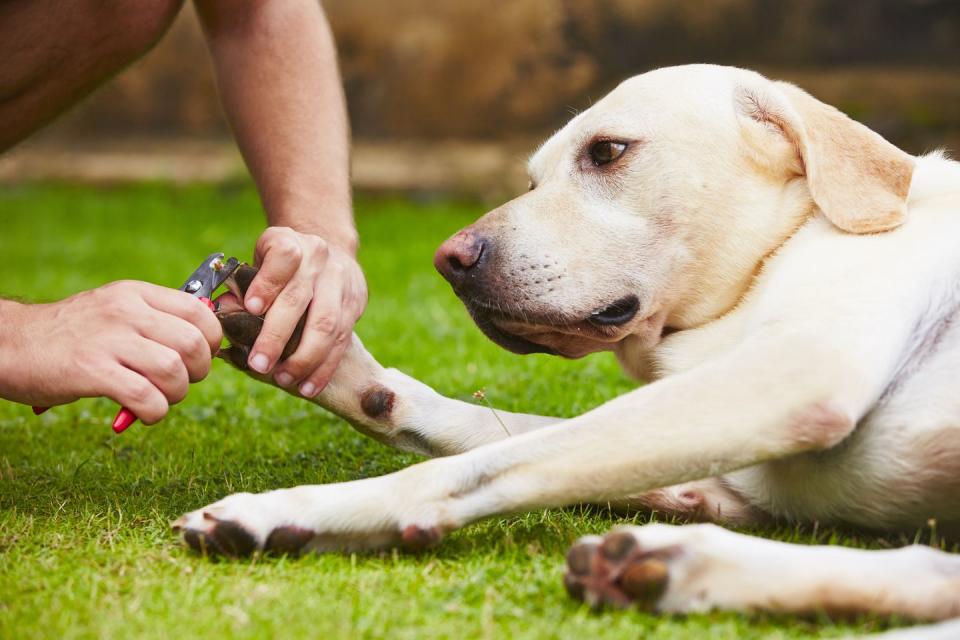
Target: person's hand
[(137, 343), (300, 273)]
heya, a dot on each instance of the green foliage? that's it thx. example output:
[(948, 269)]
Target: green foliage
[(85, 547)]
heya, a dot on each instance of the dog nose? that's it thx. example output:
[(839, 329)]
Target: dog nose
[(459, 255)]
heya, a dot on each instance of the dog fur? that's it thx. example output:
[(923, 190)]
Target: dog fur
[(794, 282)]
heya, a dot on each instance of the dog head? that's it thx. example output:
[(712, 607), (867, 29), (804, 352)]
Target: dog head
[(655, 208)]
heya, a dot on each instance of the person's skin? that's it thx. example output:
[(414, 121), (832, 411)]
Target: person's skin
[(278, 57), (134, 342), (276, 68)]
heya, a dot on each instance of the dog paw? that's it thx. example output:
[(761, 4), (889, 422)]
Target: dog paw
[(656, 567), (244, 524), (242, 328), (615, 570), (239, 526)]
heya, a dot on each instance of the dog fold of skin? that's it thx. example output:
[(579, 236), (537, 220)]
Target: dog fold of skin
[(787, 281)]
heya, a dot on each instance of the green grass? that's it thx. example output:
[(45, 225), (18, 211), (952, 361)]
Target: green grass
[(85, 548)]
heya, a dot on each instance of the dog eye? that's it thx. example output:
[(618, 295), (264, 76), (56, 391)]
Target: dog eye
[(606, 151)]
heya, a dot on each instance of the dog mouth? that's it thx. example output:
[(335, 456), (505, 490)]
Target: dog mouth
[(525, 332), (512, 342), (617, 314)]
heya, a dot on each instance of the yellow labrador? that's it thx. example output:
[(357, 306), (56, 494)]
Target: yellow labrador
[(787, 280)]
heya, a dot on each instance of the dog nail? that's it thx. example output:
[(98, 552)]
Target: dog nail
[(260, 363), (284, 379), (308, 389), (255, 306)]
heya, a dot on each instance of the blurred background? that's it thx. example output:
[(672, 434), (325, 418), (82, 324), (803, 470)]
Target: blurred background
[(468, 87)]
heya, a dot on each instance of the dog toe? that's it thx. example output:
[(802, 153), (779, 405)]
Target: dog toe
[(216, 537), (240, 327), (288, 540)]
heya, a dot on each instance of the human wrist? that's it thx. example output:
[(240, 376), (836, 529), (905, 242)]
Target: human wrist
[(13, 315), (332, 220)]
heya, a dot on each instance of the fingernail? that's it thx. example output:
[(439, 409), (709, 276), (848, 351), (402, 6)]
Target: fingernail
[(308, 389), (259, 362), (254, 305), (284, 378)]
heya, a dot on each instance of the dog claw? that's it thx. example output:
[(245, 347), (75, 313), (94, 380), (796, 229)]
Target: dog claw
[(239, 281)]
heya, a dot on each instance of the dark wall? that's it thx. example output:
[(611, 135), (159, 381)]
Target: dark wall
[(482, 69)]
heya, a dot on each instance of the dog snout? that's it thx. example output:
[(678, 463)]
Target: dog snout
[(461, 257)]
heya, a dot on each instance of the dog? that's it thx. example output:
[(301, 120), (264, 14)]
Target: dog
[(786, 280)]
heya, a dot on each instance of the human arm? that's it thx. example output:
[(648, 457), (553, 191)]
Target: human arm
[(278, 78)]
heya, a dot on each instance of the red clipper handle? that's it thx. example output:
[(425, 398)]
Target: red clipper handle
[(125, 417)]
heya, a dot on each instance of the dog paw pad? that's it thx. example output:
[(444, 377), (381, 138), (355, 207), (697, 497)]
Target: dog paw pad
[(288, 540)]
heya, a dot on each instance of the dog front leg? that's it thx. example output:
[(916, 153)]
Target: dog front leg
[(385, 404), (398, 410), (769, 399)]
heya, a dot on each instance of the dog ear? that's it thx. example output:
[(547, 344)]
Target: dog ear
[(859, 180)]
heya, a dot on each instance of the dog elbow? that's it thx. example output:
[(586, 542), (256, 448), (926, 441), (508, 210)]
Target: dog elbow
[(819, 426)]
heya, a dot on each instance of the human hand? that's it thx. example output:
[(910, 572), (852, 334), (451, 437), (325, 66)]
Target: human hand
[(137, 343), (299, 273)]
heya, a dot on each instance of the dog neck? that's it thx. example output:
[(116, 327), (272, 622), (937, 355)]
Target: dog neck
[(724, 269)]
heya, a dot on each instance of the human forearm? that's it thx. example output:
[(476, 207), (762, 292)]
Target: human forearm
[(277, 73), (10, 339)]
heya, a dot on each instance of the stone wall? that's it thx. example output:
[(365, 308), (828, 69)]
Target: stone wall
[(482, 70)]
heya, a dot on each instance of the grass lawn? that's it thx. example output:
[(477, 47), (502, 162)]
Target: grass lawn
[(85, 546)]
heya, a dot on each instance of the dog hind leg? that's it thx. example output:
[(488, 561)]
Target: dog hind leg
[(698, 568)]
